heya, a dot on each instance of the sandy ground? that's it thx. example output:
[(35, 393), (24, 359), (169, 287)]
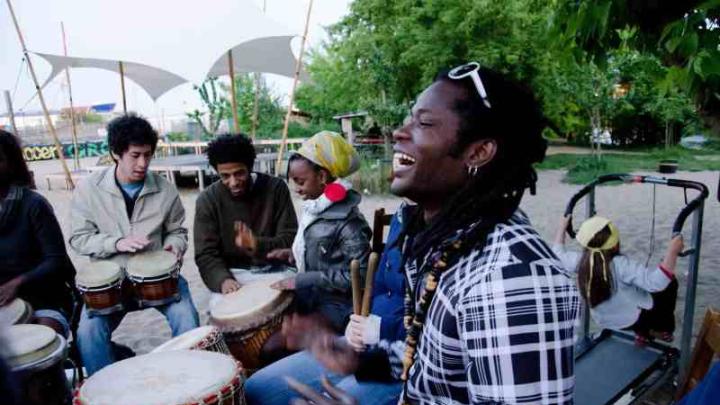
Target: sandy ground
[(630, 206)]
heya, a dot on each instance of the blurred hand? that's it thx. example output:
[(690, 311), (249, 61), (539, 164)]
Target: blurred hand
[(300, 330), (310, 396), (354, 332), (282, 255), (229, 285), (676, 245), (8, 291), (244, 238), (335, 354), (284, 284), (132, 244)]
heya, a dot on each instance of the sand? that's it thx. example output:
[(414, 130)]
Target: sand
[(629, 206)]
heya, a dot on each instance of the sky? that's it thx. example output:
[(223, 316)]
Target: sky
[(40, 23)]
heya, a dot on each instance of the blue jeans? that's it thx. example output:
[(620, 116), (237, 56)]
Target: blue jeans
[(94, 332), (268, 387)]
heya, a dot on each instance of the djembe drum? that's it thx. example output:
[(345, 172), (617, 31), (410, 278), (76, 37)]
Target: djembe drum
[(154, 277)]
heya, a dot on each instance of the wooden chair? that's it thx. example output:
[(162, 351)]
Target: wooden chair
[(380, 222), (707, 346)]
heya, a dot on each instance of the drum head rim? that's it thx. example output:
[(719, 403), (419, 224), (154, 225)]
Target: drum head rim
[(151, 264), (98, 275), (197, 338), (21, 310), (58, 354)]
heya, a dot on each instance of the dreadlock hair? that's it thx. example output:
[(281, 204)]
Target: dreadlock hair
[(17, 170), (515, 122), (601, 285)]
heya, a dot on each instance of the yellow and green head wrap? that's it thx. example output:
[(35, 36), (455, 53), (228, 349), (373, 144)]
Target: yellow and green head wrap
[(332, 152), (587, 232)]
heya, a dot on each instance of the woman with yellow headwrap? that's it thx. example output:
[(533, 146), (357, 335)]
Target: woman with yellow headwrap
[(622, 293), (332, 231)]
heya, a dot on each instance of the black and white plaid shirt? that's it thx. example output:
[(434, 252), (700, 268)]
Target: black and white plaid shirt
[(500, 329)]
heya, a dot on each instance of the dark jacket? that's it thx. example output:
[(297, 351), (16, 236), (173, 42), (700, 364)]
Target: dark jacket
[(31, 244), (337, 236), (389, 283), (267, 209)]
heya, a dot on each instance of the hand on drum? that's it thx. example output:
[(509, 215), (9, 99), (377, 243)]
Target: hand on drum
[(282, 255), (310, 396), (334, 353), (244, 238), (132, 244), (8, 291), (229, 285), (284, 284)]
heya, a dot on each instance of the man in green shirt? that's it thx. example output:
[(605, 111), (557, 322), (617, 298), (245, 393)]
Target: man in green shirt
[(242, 217)]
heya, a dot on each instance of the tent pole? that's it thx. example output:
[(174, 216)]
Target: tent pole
[(298, 66), (54, 135), (76, 157), (121, 69), (11, 113), (233, 95), (257, 93)]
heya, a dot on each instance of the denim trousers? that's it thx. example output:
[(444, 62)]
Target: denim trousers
[(94, 332), (268, 387)]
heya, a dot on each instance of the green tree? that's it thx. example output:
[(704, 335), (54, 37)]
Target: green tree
[(217, 107)]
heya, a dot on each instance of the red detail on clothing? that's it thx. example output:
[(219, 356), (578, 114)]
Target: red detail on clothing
[(335, 192), (667, 272)]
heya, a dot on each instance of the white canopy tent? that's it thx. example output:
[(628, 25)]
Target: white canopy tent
[(161, 53)]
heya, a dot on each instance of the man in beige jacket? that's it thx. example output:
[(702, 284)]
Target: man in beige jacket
[(124, 210)]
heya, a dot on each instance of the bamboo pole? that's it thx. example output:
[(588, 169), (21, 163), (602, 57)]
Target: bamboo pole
[(298, 65), (257, 94), (11, 113), (76, 157), (233, 95), (53, 133), (121, 68)]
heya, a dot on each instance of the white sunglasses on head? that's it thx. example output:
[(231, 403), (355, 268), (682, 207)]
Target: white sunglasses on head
[(472, 70)]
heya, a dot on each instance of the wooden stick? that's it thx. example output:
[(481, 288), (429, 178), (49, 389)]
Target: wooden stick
[(233, 95), (51, 126), (369, 278), (122, 85), (76, 157), (355, 284), (298, 66), (11, 113)]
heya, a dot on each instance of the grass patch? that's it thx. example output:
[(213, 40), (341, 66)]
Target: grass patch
[(582, 169)]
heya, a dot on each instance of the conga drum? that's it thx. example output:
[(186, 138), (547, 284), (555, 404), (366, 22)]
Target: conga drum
[(154, 277), (16, 312), (35, 354), (100, 284), (203, 338), (181, 377), (248, 317)]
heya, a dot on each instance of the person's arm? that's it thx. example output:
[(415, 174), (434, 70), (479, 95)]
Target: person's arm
[(517, 335), (85, 238), (52, 246), (208, 245), (175, 234), (286, 224), (354, 244), (650, 279)]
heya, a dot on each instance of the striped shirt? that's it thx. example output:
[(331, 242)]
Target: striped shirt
[(500, 328)]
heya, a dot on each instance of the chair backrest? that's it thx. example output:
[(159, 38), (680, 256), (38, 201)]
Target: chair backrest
[(707, 346), (380, 222)]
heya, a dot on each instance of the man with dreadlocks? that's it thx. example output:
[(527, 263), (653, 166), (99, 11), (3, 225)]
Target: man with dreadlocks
[(490, 311)]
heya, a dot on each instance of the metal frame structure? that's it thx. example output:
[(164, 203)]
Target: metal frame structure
[(664, 359)]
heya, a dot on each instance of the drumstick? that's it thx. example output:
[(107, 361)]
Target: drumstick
[(369, 278), (355, 280)]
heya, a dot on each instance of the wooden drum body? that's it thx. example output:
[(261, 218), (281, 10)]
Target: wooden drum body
[(248, 317), (207, 338), (180, 377), (35, 354), (154, 277), (16, 312), (100, 284)]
